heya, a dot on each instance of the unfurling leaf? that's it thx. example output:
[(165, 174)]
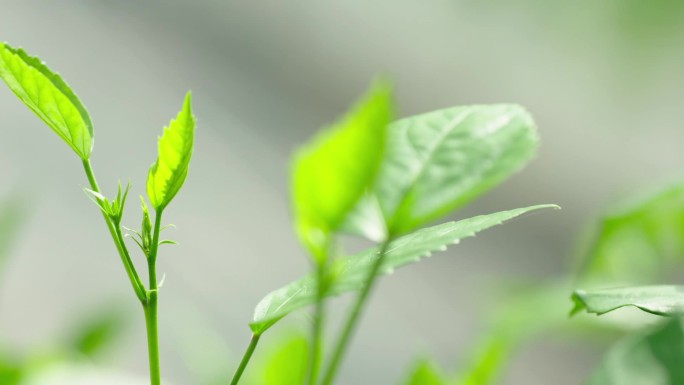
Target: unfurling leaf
[(49, 97), (658, 300), (351, 272), (168, 173), (439, 161), (333, 171)]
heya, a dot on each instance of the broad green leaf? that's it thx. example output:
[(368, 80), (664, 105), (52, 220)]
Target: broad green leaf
[(168, 173), (350, 272), (437, 162), (636, 241), (44, 92), (653, 358), (426, 372), (658, 300), (333, 171), (288, 364)]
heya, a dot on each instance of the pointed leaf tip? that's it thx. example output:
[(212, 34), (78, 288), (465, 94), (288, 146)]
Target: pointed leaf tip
[(168, 173)]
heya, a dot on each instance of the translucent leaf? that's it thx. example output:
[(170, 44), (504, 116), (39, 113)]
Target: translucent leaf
[(659, 300), (167, 175), (288, 364), (333, 171), (652, 358), (439, 161), (44, 92), (636, 241), (350, 272), (426, 372)]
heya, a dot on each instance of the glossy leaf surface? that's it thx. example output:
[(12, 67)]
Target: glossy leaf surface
[(439, 161), (49, 97), (659, 300), (350, 272), (168, 173), (333, 171)]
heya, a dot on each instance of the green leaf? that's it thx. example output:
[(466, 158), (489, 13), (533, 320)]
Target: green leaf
[(351, 272), (439, 161), (288, 364), (44, 92), (426, 372), (333, 171), (168, 173), (658, 300), (98, 331), (635, 242), (653, 358)]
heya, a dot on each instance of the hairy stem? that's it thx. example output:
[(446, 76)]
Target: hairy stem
[(114, 231), (245, 359), (352, 321)]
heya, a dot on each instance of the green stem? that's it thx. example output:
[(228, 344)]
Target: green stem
[(319, 322), (352, 321), (245, 359), (153, 337), (115, 232), (151, 318)]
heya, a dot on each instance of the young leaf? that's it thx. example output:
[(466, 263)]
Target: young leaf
[(636, 241), (653, 358), (439, 161), (658, 300), (426, 372), (49, 97), (351, 272), (333, 171), (167, 175)]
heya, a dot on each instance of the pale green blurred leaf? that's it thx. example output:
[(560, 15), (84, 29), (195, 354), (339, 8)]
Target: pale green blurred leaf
[(333, 171), (659, 300), (654, 358), (636, 241), (439, 161), (44, 92), (12, 214), (351, 272), (288, 363), (426, 372), (96, 332), (168, 173)]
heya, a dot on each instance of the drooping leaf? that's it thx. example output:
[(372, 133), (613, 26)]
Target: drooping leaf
[(652, 358), (437, 162), (426, 372), (333, 171), (288, 364), (48, 96), (168, 173), (658, 300), (350, 272), (636, 241)]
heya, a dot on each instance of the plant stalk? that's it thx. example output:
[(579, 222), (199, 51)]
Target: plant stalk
[(352, 321), (151, 316), (245, 359), (318, 325)]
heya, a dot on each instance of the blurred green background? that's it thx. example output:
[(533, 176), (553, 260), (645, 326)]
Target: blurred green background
[(603, 80)]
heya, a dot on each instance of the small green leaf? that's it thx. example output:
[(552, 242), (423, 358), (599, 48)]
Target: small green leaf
[(426, 372), (49, 97), (333, 171), (638, 240), (97, 331), (658, 300), (167, 175), (439, 161), (288, 364), (653, 358), (351, 272)]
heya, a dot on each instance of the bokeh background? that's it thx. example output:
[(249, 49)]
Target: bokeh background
[(603, 80)]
